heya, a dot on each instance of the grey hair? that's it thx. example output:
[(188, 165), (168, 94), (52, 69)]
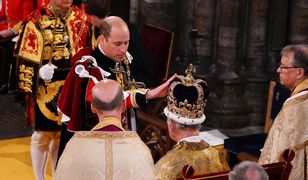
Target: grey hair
[(186, 126), (300, 52), (248, 170), (114, 104)]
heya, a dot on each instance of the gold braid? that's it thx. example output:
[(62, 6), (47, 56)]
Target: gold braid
[(75, 43), (299, 146), (124, 77)]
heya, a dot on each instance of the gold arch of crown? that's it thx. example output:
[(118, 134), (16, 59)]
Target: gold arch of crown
[(184, 109)]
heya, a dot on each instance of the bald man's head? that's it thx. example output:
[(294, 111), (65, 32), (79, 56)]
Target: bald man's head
[(107, 95), (112, 22)]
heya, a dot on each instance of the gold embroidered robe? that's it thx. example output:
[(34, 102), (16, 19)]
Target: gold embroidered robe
[(290, 128), (100, 155), (202, 157)]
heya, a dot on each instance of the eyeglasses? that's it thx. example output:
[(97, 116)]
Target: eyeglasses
[(287, 67)]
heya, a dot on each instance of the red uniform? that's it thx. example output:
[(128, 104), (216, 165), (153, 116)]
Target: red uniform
[(14, 11)]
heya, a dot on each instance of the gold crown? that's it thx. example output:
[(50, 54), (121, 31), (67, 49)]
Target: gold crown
[(186, 99)]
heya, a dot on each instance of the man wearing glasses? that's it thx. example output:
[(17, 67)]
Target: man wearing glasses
[(290, 127)]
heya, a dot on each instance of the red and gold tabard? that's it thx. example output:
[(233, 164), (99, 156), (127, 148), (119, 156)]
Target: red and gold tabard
[(49, 37)]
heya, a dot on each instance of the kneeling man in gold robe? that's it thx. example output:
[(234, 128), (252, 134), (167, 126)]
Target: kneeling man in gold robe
[(185, 113)]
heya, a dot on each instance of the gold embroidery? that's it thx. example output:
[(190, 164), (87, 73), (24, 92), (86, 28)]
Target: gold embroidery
[(57, 55), (46, 95), (133, 100), (119, 71), (26, 78), (296, 100), (30, 47), (123, 76), (109, 159), (61, 44), (46, 22), (193, 146), (47, 52), (104, 134), (303, 85), (299, 146), (74, 43), (58, 38), (66, 53), (133, 93), (55, 42), (108, 121), (204, 160)]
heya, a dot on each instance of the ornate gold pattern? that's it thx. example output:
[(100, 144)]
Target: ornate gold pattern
[(58, 43), (296, 100), (203, 160), (133, 100), (46, 95), (109, 159), (289, 130), (193, 146), (78, 26), (108, 121), (78, 37), (123, 76), (133, 93), (300, 146), (103, 135), (303, 85), (30, 47), (89, 155), (26, 78), (55, 43), (119, 71)]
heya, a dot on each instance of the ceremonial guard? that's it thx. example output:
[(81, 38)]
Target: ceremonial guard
[(12, 12), (48, 39)]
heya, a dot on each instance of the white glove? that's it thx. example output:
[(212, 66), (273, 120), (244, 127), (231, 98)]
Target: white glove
[(46, 72)]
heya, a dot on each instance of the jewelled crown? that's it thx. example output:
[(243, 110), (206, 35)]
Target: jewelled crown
[(186, 99)]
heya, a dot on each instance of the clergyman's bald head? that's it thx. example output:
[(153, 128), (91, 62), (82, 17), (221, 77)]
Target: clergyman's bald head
[(107, 95)]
